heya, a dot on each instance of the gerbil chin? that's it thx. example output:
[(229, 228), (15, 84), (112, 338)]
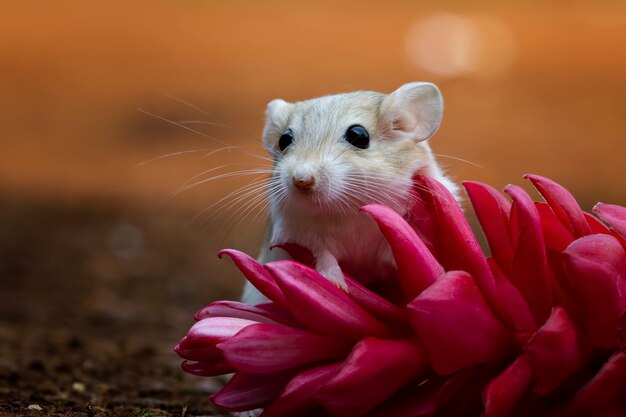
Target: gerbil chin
[(334, 154)]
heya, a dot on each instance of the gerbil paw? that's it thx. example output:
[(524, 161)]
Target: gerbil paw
[(341, 284), (327, 265), (335, 276)]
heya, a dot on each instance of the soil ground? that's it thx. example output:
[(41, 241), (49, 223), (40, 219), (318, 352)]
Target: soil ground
[(93, 301)]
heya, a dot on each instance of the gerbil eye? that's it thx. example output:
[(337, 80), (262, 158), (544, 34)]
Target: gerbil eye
[(356, 135), (285, 140)]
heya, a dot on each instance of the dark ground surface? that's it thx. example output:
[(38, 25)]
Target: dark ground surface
[(93, 301)]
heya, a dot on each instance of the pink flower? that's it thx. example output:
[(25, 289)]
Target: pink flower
[(536, 329)]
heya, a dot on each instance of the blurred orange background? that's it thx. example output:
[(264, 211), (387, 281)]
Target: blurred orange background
[(88, 228), (534, 87)]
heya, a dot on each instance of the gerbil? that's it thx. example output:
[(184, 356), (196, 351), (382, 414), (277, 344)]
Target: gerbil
[(336, 153)]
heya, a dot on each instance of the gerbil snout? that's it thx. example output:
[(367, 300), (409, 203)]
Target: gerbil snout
[(304, 183), (305, 176)]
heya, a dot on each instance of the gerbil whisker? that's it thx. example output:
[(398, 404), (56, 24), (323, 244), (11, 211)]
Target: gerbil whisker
[(221, 176), (255, 191), (169, 155), (202, 134), (247, 208), (458, 159), (193, 106), (209, 152), (216, 122), (254, 186)]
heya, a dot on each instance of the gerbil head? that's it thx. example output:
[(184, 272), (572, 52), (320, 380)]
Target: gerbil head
[(336, 153)]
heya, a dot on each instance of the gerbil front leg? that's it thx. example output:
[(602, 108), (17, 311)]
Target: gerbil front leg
[(327, 265)]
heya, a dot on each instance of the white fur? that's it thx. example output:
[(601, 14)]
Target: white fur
[(326, 220)]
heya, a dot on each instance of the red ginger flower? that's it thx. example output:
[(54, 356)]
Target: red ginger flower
[(535, 329)]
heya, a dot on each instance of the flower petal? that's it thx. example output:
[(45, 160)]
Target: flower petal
[(263, 348), (596, 267), (299, 394), (243, 311), (460, 394), (604, 394), (596, 226), (374, 303), (456, 326), (415, 399), (218, 367), (556, 236), (614, 215), (298, 253), (456, 247), (321, 306), (563, 204), (492, 210), (504, 391), (391, 363), (417, 267), (198, 352), (250, 391), (520, 316), (530, 270), (256, 274), (213, 330), (621, 331), (556, 351), (199, 344), (367, 299)]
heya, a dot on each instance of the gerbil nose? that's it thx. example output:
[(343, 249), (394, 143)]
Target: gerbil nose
[(304, 183)]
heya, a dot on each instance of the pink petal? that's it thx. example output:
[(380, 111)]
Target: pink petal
[(605, 394), (198, 352), (621, 331), (317, 412), (421, 217), (460, 394), (321, 306), (390, 363), (556, 351), (299, 394), (504, 391), (563, 204), (530, 272), (218, 367), (256, 274), (199, 344), (367, 299), (417, 268), (243, 311), (596, 266), (556, 236), (596, 226), (520, 316), (613, 215), (250, 391), (492, 210), (455, 324), (278, 311), (263, 348), (374, 303), (298, 253), (456, 247), (415, 399)]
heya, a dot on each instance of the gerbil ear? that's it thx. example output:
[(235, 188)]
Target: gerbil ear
[(276, 116), (413, 111)]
